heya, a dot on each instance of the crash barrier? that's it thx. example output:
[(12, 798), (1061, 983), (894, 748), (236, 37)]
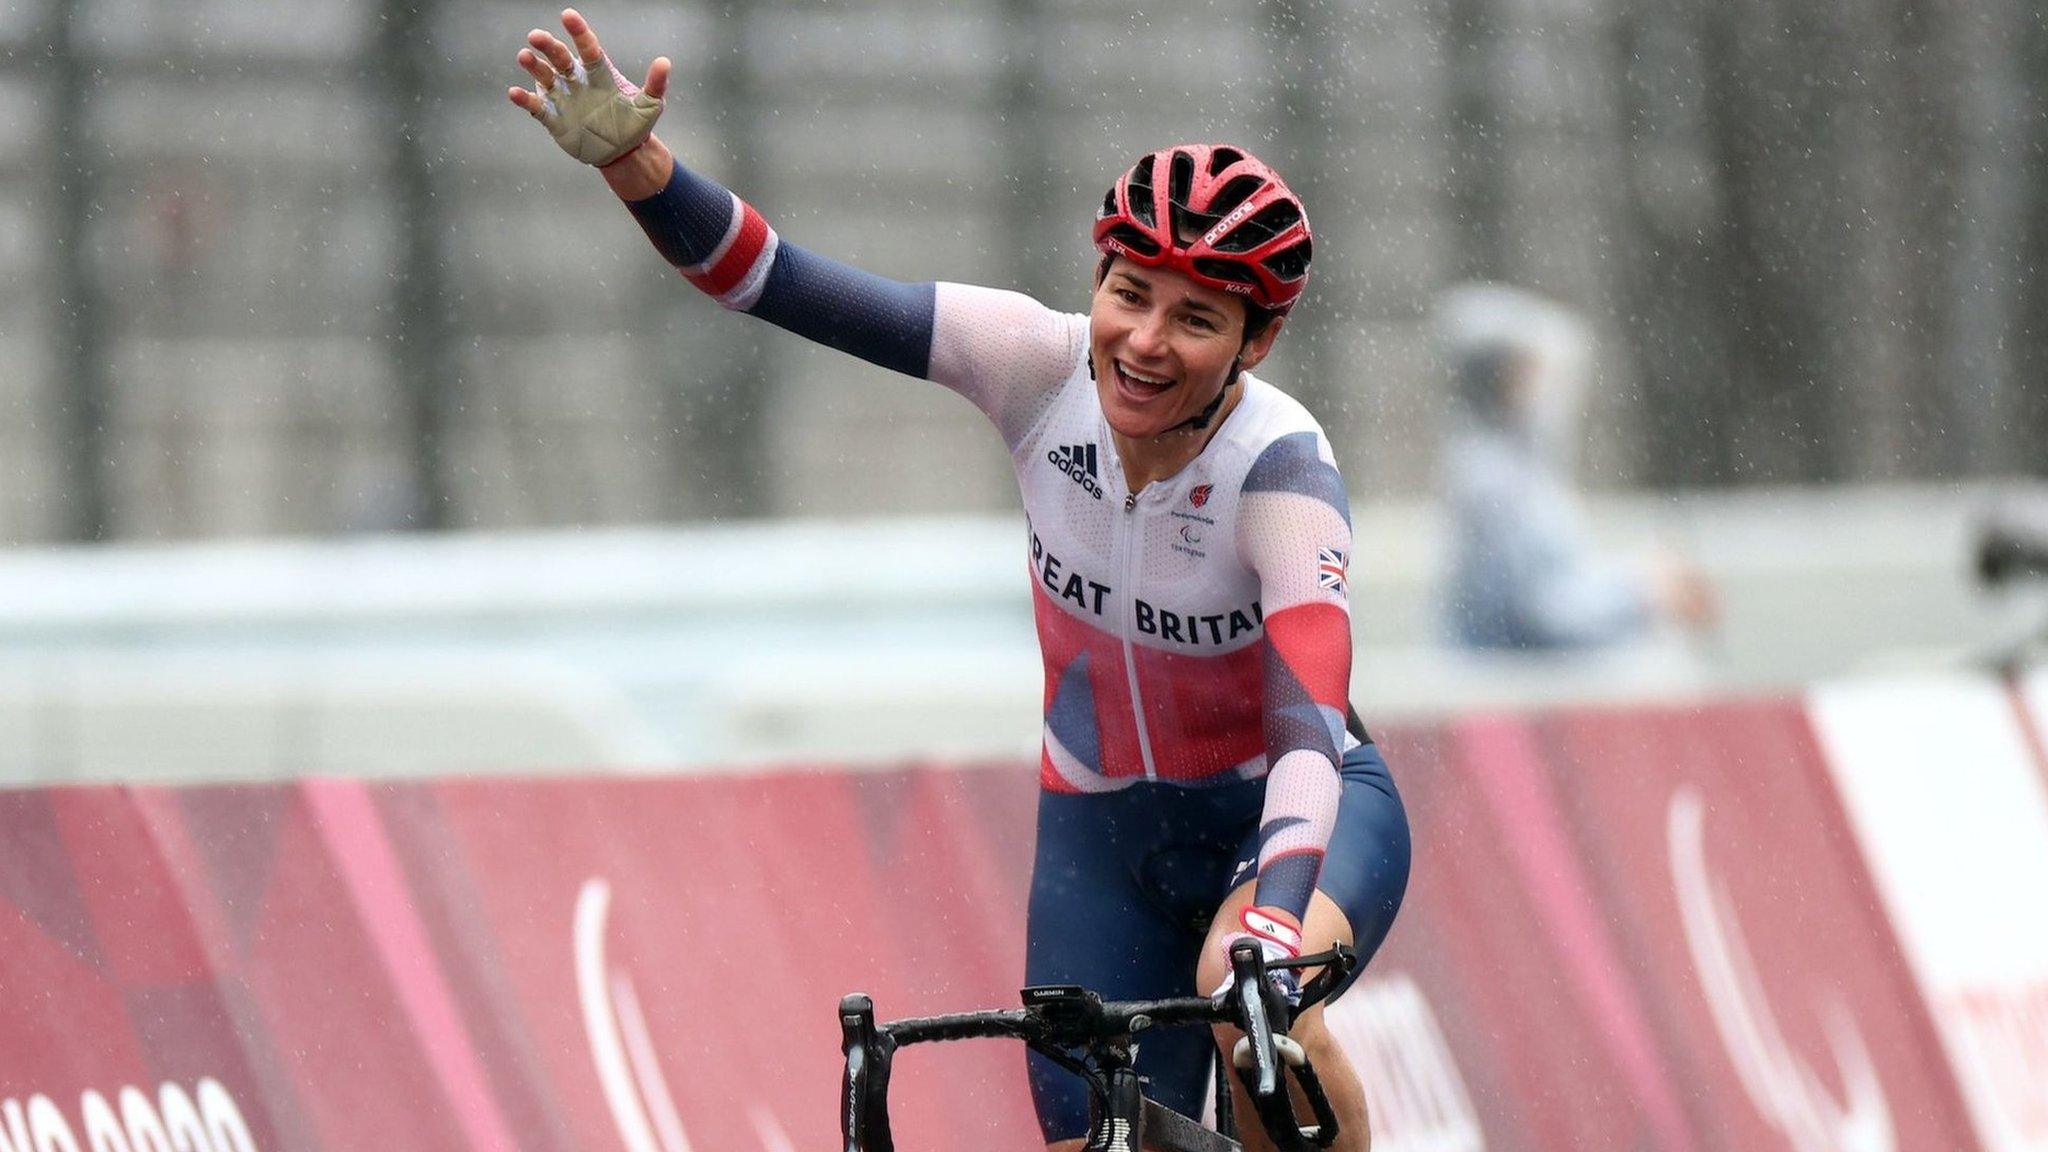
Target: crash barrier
[(1816, 923)]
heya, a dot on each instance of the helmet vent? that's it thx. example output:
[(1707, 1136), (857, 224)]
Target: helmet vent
[(1180, 179), (1131, 238), (1187, 224), (1229, 270), (1269, 222), (1234, 193), (1223, 157), (1139, 191), (1291, 263)]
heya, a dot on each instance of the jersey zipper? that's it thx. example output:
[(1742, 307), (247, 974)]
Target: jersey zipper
[(1126, 531)]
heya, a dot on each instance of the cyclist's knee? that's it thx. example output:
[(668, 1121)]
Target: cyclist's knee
[(1325, 924)]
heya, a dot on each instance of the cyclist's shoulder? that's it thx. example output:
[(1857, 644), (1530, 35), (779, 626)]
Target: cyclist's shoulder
[(1005, 309), (1280, 443), (1007, 352)]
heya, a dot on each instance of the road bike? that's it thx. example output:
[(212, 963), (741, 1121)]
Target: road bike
[(1097, 1041)]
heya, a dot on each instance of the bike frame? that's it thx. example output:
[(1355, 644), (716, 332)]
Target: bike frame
[(1077, 1030)]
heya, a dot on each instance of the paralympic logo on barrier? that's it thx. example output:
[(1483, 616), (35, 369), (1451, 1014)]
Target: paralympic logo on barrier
[(1783, 1087), (635, 1087), (204, 1120)]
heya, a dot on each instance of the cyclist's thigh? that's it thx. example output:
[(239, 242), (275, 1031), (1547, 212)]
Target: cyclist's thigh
[(1365, 870), (1096, 921)]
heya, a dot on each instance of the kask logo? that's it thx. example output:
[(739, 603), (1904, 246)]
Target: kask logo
[(1078, 462)]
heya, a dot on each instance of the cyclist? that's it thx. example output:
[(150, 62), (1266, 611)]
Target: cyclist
[(1189, 551)]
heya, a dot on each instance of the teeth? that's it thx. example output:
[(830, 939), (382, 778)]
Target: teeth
[(1140, 377)]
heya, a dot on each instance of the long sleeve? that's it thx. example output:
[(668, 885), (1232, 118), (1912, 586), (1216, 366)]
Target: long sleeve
[(728, 250), (1294, 530), (1004, 351)]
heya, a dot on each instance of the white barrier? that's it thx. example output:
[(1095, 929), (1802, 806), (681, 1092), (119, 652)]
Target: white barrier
[(1944, 787), (755, 644)]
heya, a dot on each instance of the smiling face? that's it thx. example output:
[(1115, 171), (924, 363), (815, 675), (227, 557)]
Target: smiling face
[(1163, 345)]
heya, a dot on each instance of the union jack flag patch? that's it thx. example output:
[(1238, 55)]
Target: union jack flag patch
[(1330, 565)]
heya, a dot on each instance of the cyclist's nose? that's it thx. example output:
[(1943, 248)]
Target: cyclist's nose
[(1148, 335)]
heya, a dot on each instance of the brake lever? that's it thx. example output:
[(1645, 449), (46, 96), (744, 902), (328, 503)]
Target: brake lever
[(1264, 1047), (864, 1087), (1248, 970)]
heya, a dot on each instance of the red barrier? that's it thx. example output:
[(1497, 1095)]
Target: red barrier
[(1754, 930), (1649, 929)]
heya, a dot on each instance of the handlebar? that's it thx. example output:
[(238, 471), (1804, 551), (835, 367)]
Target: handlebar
[(1057, 1018)]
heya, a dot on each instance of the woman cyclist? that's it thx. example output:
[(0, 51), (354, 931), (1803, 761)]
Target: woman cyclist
[(1189, 545)]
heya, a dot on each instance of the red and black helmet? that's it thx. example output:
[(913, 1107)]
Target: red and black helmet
[(1215, 213)]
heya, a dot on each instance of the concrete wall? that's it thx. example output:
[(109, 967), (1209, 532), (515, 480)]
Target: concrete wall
[(247, 228)]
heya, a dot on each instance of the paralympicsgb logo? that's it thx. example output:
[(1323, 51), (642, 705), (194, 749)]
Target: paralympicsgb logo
[(1078, 462)]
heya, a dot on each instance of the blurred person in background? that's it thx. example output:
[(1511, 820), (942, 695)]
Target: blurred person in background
[(1521, 572), (1190, 539), (2011, 554)]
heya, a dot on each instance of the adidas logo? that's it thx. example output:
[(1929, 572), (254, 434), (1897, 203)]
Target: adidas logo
[(1078, 462)]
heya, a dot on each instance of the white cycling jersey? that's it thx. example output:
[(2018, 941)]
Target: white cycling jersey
[(1196, 631)]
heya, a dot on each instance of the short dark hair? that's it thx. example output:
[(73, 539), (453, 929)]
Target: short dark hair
[(1256, 319)]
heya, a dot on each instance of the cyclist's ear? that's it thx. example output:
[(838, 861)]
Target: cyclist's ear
[(1257, 347)]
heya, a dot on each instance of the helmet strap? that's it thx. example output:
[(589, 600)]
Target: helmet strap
[(1200, 420)]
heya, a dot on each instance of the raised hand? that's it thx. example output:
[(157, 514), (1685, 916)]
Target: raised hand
[(592, 111)]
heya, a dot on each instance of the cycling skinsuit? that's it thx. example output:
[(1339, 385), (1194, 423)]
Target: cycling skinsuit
[(1196, 633)]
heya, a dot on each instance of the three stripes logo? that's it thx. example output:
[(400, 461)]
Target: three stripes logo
[(1078, 462)]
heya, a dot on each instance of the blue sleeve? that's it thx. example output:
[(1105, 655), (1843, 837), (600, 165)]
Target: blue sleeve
[(687, 219), (882, 321), (885, 322)]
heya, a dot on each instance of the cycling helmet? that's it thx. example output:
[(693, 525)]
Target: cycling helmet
[(1215, 213)]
